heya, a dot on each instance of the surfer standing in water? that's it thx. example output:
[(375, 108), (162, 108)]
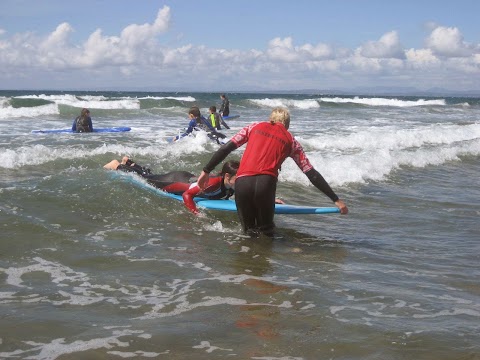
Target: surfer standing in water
[(184, 183), (225, 107), (269, 143)]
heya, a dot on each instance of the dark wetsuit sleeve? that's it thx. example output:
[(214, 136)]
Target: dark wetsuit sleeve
[(224, 123), (321, 184), (219, 156), (191, 127), (90, 124), (74, 125)]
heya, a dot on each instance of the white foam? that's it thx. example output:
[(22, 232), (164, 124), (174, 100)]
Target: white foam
[(453, 312), (179, 98), (40, 154), (384, 101), (30, 112), (209, 348), (58, 272), (88, 101), (279, 102), (374, 153), (58, 347)]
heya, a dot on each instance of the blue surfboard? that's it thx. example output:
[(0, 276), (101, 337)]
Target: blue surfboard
[(95, 130), (229, 205), (230, 117)]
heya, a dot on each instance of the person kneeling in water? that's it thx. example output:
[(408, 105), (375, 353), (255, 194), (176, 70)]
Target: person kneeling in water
[(184, 183)]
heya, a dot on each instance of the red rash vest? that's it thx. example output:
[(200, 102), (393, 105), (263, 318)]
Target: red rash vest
[(268, 145)]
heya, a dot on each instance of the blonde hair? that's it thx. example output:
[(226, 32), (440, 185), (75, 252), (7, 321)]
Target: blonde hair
[(280, 115)]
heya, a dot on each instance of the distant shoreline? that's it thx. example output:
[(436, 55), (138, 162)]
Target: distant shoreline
[(351, 92)]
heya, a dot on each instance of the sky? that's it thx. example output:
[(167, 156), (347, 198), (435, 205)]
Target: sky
[(247, 45)]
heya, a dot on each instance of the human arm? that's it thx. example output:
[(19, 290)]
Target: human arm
[(216, 159), (191, 126), (74, 125), (302, 161), (321, 184), (188, 197)]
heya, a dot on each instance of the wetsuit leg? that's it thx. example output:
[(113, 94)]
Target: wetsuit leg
[(255, 199), (177, 181)]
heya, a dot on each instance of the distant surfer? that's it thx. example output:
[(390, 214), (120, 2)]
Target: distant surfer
[(225, 107), (184, 183), (83, 123), (198, 122), (269, 143)]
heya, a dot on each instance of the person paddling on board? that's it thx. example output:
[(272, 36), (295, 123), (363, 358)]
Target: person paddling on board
[(83, 123), (198, 122), (269, 143), (184, 183)]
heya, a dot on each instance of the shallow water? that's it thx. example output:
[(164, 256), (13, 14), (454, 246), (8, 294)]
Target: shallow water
[(94, 267)]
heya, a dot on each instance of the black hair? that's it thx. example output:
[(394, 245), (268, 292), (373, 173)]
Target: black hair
[(195, 111), (230, 167)]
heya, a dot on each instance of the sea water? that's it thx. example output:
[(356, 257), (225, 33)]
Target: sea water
[(94, 267)]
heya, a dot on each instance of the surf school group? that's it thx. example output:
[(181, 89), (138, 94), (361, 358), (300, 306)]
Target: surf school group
[(253, 179)]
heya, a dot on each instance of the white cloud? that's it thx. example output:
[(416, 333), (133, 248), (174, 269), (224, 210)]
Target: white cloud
[(56, 53), (282, 50), (421, 57), (136, 58), (448, 42), (58, 38), (388, 46)]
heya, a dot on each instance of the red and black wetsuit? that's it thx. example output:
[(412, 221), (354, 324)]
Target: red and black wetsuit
[(182, 183), (215, 190), (268, 145)]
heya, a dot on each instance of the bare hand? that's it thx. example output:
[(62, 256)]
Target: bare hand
[(203, 180), (341, 205)]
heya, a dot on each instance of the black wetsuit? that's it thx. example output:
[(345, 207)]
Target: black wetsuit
[(225, 108), (160, 181)]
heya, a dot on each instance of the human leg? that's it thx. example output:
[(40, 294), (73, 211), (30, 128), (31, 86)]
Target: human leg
[(245, 202), (255, 199), (265, 189), (173, 182), (112, 165)]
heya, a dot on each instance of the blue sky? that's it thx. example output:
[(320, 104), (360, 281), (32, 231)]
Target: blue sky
[(239, 45)]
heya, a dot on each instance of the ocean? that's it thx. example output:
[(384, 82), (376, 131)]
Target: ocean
[(93, 266)]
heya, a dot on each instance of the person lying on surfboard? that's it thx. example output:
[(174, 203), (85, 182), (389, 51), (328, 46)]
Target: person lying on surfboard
[(184, 183)]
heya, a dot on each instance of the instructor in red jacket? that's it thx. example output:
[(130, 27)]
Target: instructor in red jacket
[(269, 143)]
